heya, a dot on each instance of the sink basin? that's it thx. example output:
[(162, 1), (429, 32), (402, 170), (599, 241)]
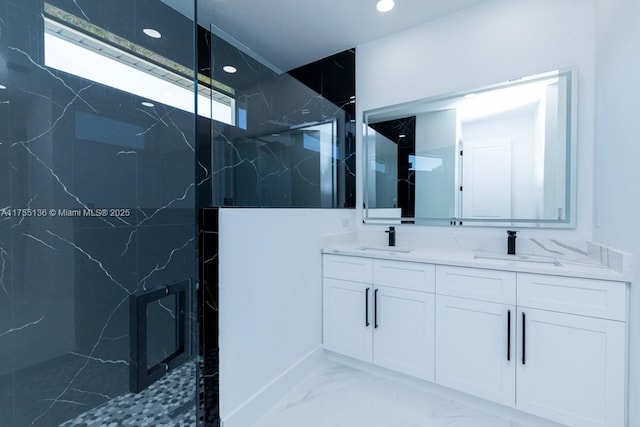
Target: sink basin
[(389, 249), (517, 257)]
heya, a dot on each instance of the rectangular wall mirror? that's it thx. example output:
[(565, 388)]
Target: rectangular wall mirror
[(501, 155)]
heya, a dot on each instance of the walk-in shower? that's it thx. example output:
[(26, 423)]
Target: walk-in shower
[(120, 135), (97, 213)]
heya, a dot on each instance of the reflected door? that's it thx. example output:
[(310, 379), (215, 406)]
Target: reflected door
[(486, 179)]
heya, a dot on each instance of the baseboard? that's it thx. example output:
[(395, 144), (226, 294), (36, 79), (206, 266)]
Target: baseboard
[(256, 406)]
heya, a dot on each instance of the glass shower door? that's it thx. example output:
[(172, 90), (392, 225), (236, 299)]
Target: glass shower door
[(97, 213)]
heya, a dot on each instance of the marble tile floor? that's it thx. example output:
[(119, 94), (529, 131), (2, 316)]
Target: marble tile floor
[(169, 402), (334, 395)]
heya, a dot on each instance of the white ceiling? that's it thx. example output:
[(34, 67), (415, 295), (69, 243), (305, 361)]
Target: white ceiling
[(291, 33)]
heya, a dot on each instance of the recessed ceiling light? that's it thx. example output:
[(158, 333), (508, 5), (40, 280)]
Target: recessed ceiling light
[(229, 69), (385, 5), (152, 33), (148, 104), (2, 87)]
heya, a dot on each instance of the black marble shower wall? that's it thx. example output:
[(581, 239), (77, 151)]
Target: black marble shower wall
[(334, 78), (209, 397), (271, 155), (70, 145)]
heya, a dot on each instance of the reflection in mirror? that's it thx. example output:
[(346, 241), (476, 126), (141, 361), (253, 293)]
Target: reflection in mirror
[(494, 156)]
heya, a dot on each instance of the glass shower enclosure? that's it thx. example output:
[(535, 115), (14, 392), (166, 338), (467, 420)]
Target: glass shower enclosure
[(97, 213)]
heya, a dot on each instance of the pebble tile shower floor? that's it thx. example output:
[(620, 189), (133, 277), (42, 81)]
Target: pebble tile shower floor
[(169, 402)]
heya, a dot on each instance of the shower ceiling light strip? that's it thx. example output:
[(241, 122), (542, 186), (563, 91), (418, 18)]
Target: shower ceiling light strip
[(74, 52), (59, 15)]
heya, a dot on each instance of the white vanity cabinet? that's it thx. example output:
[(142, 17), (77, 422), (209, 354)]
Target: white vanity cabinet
[(403, 331), (556, 351), (346, 323), (475, 332), (346, 306), (404, 316), (548, 345), (383, 313), (571, 364)]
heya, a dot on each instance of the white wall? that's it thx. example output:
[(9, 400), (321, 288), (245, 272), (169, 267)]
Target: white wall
[(270, 294), (489, 43), (617, 170)]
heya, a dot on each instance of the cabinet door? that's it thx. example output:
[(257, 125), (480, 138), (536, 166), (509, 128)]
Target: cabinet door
[(347, 318), (475, 348), (571, 369), (403, 338)]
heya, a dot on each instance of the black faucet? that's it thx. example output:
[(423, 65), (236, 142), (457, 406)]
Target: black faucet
[(511, 242), (392, 236)]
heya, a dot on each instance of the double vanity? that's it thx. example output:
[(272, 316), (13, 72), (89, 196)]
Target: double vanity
[(545, 335), (543, 330)]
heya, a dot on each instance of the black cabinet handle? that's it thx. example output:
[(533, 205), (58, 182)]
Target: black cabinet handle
[(375, 308), (524, 341), (366, 305), (508, 335)]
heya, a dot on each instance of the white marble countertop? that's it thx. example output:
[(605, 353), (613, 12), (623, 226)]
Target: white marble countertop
[(571, 262)]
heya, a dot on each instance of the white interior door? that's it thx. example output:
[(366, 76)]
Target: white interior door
[(486, 179)]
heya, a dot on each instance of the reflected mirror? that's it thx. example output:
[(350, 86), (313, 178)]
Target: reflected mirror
[(498, 155)]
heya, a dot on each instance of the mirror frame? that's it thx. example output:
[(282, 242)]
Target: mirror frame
[(419, 106)]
